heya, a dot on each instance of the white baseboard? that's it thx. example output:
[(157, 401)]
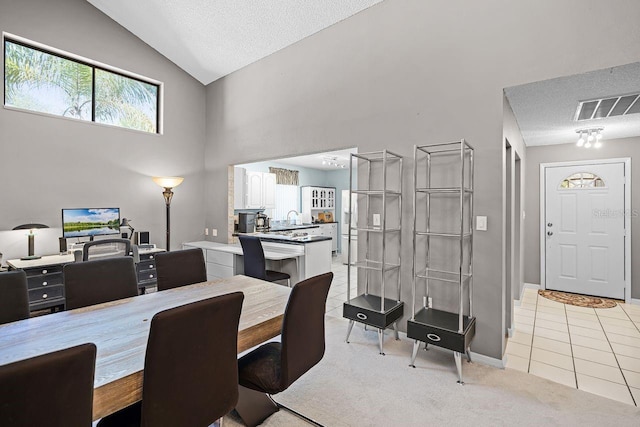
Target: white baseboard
[(635, 301), (531, 286), (489, 361)]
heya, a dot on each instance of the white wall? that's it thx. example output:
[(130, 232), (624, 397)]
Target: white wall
[(49, 163), (414, 71)]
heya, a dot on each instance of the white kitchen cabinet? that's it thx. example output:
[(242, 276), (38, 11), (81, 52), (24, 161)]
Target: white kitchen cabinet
[(269, 190), (261, 190), (330, 230), (318, 199)]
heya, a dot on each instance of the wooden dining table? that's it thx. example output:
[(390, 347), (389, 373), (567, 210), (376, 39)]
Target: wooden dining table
[(120, 330)]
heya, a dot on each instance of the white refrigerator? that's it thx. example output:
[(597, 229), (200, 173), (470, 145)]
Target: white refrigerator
[(344, 231)]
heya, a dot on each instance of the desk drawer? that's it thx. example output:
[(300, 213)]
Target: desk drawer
[(219, 271), (223, 258), (147, 265), (146, 275), (44, 280), (46, 295), (147, 257), (40, 271)]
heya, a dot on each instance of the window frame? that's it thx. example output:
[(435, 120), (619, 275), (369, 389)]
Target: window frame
[(12, 38)]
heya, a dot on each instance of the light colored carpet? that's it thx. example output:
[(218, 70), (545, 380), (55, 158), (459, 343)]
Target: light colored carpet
[(354, 386)]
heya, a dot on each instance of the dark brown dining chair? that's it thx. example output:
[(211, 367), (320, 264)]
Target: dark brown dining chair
[(180, 268), (255, 264), (94, 282), (190, 368), (274, 366), (14, 298), (54, 389)]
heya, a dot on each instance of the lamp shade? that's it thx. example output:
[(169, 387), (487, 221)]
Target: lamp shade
[(30, 226), (168, 181), (125, 223)]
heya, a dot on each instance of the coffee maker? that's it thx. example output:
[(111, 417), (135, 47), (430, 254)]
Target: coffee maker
[(246, 222), (262, 222)]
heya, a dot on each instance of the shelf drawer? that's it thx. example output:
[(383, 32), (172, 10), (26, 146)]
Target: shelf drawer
[(443, 336), (47, 294), (363, 309)]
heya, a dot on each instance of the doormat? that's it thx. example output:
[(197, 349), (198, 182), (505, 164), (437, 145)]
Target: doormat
[(577, 300)]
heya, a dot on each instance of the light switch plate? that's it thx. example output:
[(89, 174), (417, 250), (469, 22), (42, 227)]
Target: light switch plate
[(214, 232), (376, 220), (481, 223)]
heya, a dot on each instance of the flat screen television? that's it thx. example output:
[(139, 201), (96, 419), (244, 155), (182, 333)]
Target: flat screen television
[(90, 222)]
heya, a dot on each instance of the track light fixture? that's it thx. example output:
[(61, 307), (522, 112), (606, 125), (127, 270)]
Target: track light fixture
[(589, 137)]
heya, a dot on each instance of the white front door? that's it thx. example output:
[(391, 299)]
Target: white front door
[(585, 229)]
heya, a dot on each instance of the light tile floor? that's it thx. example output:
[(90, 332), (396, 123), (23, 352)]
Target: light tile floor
[(595, 350), (338, 290)]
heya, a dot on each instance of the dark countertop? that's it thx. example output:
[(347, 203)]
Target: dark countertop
[(280, 238), (278, 227)]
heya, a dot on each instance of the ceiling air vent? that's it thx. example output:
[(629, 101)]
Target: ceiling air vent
[(608, 107)]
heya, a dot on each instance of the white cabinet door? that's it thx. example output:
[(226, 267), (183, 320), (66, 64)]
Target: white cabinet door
[(269, 190), (314, 231), (334, 236), (254, 190), (331, 198)]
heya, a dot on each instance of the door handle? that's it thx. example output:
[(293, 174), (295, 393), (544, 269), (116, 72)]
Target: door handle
[(549, 225), (549, 233)]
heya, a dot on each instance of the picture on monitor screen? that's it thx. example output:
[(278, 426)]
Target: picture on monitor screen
[(90, 222)]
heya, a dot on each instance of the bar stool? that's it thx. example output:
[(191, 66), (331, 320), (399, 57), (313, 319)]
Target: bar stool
[(255, 264)]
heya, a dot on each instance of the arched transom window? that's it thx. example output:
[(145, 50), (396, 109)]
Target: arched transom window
[(582, 180)]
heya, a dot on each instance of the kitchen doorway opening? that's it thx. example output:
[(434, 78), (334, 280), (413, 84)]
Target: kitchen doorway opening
[(252, 189)]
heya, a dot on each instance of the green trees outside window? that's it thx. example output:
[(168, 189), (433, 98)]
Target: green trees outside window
[(40, 81)]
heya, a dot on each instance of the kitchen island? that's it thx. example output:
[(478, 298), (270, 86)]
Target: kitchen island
[(299, 256)]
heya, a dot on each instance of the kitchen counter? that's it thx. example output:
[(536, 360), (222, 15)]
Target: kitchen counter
[(301, 259)]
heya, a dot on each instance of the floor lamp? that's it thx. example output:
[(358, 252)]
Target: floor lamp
[(168, 183)]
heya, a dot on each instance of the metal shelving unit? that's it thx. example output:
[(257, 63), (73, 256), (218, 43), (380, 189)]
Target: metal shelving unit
[(443, 249), (380, 193)]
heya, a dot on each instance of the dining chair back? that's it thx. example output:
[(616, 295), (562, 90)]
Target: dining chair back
[(191, 366), (255, 264), (105, 248), (274, 366), (53, 390), (180, 268), (14, 297), (95, 282)]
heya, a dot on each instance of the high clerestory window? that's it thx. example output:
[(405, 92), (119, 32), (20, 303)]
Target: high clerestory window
[(47, 81)]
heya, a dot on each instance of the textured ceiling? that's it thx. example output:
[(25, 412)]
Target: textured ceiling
[(546, 110), (212, 38)]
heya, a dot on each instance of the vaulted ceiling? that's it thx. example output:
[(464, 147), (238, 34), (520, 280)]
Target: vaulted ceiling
[(212, 38)]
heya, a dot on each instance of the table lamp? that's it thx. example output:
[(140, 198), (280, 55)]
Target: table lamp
[(125, 223), (168, 183), (31, 238)]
